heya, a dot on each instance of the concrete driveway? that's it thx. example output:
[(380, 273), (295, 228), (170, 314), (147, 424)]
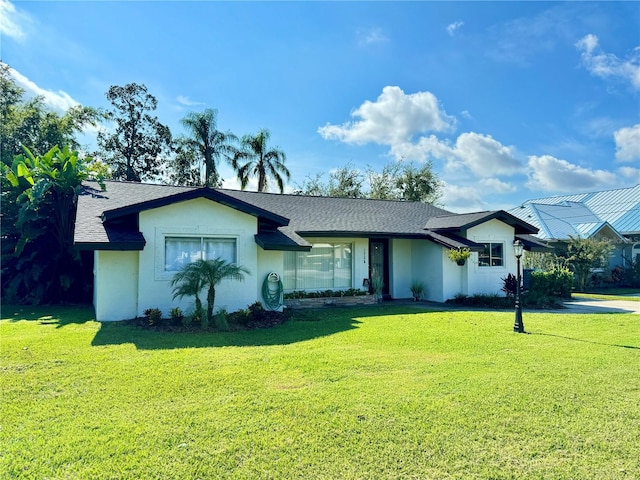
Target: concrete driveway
[(601, 306)]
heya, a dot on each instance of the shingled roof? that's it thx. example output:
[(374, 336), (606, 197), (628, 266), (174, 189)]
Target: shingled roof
[(108, 219)]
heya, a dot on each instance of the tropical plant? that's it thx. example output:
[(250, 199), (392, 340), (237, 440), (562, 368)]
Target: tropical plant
[(210, 144), (153, 316), (136, 147), (459, 255), (417, 289), (31, 124), (188, 282), (176, 315), (205, 274), (510, 285), (377, 284), (255, 159), (38, 204)]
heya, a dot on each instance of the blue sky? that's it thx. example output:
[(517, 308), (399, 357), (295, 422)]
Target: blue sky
[(509, 101)]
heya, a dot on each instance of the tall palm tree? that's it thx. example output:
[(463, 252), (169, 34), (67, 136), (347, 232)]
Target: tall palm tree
[(200, 274), (209, 142), (255, 159)]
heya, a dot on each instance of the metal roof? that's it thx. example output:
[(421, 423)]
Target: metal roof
[(583, 214)]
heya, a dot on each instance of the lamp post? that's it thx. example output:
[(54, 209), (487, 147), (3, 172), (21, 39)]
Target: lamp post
[(518, 326)]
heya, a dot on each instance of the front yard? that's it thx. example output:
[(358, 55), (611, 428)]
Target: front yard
[(362, 393)]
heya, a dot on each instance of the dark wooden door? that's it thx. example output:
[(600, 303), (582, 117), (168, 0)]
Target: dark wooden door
[(379, 262)]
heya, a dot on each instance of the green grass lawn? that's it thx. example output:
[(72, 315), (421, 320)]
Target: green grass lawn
[(627, 294), (363, 393)]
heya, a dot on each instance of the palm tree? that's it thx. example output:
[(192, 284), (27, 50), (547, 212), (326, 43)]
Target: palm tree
[(209, 142), (188, 283), (258, 160), (200, 274)]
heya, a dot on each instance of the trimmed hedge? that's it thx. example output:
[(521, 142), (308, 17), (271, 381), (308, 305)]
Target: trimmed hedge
[(555, 282)]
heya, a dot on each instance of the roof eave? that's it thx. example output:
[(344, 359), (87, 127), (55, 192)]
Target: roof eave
[(110, 246), (203, 192)]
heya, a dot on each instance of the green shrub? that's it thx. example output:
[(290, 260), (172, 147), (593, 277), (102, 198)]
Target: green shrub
[(153, 316), (490, 300), (539, 300), (221, 319), (299, 294), (176, 315), (529, 300), (555, 282), (631, 275), (241, 317)]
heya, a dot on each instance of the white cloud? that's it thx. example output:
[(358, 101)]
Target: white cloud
[(10, 20), (462, 198), (606, 65), (485, 156), (466, 114), (187, 102), (452, 28), (494, 185), (424, 148), (627, 143), (371, 36), (59, 101), (393, 118), (551, 174), (633, 174), (480, 154)]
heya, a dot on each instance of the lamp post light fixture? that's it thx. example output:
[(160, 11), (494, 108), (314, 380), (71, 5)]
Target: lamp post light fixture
[(518, 326)]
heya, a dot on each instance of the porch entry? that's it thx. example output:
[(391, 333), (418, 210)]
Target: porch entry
[(379, 262)]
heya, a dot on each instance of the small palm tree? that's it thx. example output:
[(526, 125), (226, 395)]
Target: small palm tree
[(255, 159), (209, 142), (188, 283), (200, 274)]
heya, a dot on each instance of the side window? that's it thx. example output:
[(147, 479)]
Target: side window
[(492, 255)]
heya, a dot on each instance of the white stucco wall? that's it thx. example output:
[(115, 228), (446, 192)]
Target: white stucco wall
[(115, 285), (198, 217), (488, 280), (456, 278), (426, 266), (401, 272), (127, 283)]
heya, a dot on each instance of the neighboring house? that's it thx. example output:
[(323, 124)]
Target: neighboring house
[(607, 215), (141, 234)]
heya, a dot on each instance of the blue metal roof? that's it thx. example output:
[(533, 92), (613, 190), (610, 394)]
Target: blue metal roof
[(583, 214)]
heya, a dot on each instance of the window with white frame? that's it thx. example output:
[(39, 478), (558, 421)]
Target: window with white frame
[(326, 266), (180, 251), (492, 255)]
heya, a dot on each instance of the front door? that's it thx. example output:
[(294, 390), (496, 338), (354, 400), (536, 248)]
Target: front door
[(379, 262)]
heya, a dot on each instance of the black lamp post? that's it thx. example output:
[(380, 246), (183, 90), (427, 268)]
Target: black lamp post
[(518, 326)]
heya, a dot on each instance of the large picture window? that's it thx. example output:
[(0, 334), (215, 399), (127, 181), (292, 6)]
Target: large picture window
[(325, 266), (179, 251), (492, 255)]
